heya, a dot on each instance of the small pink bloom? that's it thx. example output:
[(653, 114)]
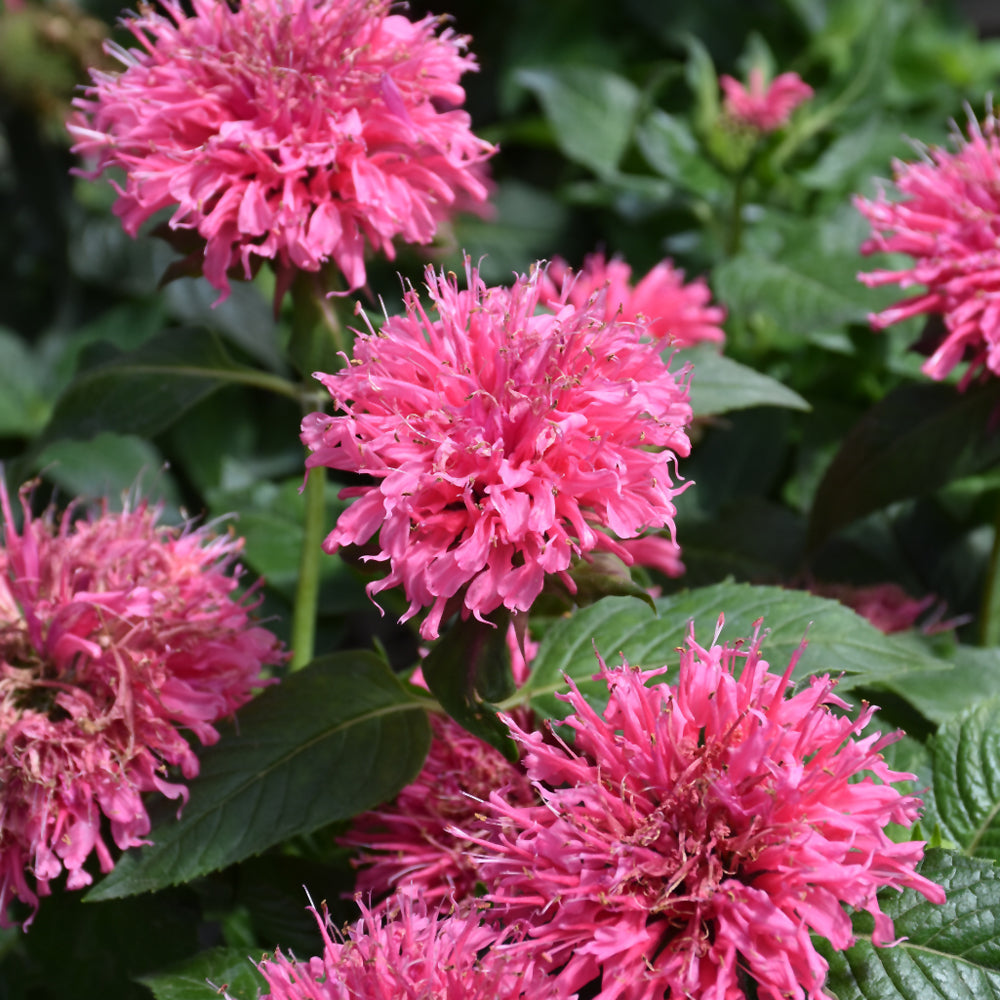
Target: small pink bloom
[(414, 951), (671, 310), (763, 109), (696, 833), (115, 634), (504, 441), (948, 222), (886, 605), (293, 130)]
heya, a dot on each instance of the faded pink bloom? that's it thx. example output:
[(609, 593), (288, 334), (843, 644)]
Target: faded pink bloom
[(415, 951), (759, 107), (948, 221), (886, 605), (505, 441), (696, 834), (671, 310), (293, 130), (115, 634)]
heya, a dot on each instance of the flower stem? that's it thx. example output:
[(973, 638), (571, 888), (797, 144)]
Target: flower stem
[(307, 594), (989, 612)]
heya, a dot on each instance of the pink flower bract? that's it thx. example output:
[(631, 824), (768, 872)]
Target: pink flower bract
[(948, 222), (504, 442), (115, 634), (697, 833), (294, 130), (759, 107), (671, 310)]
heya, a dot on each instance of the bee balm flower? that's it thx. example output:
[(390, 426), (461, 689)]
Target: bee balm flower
[(763, 108), (697, 833), (503, 442), (115, 634), (292, 130)]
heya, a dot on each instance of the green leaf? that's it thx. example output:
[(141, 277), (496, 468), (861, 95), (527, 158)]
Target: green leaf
[(207, 976), (950, 950), (720, 385), (591, 111), (972, 675), (671, 149), (24, 406), (839, 641), (915, 440), (334, 739)]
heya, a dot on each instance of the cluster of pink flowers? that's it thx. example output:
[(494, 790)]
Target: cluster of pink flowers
[(413, 951), (504, 440), (948, 221), (759, 107), (699, 832), (671, 310), (115, 634), (293, 130)]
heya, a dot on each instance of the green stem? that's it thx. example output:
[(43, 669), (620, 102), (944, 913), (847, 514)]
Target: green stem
[(989, 614), (735, 235), (307, 593)]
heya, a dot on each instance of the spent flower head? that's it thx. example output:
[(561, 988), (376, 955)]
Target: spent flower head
[(762, 107), (292, 130), (504, 442), (695, 835), (116, 634)]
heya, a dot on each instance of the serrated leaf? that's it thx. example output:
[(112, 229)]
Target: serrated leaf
[(720, 385), (332, 740), (206, 976), (973, 674), (950, 950), (915, 440), (592, 112), (839, 641)]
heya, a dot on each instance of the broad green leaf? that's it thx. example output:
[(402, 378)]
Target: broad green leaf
[(973, 674), (672, 150), (24, 406), (592, 112), (720, 385), (207, 976), (839, 641), (949, 950), (918, 438), (334, 739), (703, 81)]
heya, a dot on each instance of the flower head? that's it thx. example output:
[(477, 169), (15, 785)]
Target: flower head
[(412, 951), (293, 130), (948, 221), (115, 634), (697, 833), (763, 108), (671, 310), (503, 442)]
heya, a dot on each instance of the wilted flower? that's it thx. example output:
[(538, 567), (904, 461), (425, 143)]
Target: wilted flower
[(697, 834), (759, 107), (504, 443), (115, 634), (294, 130), (671, 310), (948, 221), (414, 951)]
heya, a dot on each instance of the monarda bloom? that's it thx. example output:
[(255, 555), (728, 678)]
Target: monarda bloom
[(414, 951), (671, 310), (116, 636), (694, 835), (762, 107), (504, 441), (948, 221), (292, 130)]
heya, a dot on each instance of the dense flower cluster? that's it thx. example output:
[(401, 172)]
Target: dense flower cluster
[(413, 951), (505, 441), (948, 221), (294, 130), (697, 833), (673, 311), (115, 634), (760, 107)]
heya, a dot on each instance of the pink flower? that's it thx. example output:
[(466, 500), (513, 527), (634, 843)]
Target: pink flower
[(886, 605), (670, 310), (948, 221), (698, 833), (760, 108), (414, 951), (114, 635), (504, 442), (293, 130)]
